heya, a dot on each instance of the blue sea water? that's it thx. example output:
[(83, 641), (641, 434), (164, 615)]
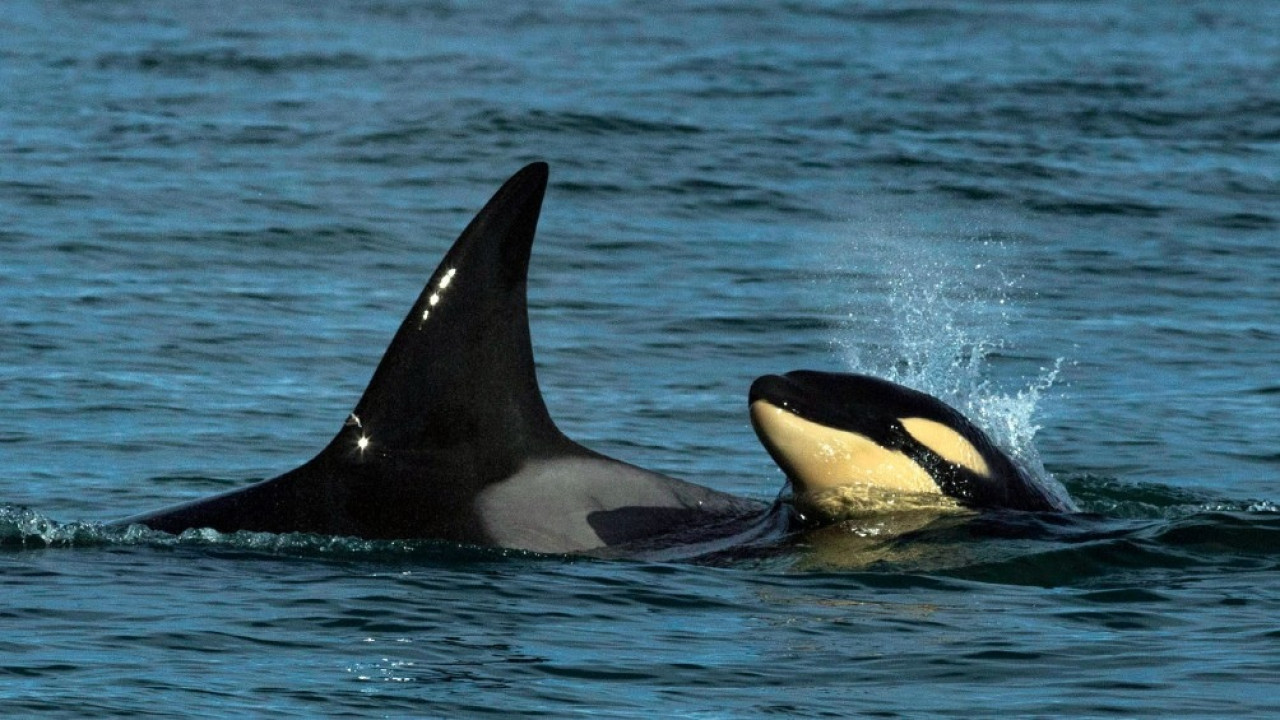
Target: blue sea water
[(1060, 216)]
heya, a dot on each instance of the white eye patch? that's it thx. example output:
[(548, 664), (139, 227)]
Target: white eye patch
[(947, 443)]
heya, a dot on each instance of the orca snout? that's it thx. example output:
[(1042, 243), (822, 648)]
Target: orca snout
[(774, 389), (843, 400)]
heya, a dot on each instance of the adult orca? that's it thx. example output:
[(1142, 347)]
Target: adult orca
[(833, 431), (452, 440)]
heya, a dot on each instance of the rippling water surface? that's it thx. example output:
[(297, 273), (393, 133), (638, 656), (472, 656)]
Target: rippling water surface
[(1059, 216)]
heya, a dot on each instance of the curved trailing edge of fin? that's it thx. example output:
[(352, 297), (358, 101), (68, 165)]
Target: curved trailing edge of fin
[(453, 404)]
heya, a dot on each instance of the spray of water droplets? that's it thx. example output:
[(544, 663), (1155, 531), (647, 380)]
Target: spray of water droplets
[(937, 318)]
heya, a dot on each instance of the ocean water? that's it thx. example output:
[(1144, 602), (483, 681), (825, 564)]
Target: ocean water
[(1059, 216)]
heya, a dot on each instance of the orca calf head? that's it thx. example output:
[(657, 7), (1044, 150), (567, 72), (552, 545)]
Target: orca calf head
[(828, 430)]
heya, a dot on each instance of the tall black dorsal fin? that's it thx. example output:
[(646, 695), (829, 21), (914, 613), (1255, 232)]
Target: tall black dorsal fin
[(460, 369), (452, 440)]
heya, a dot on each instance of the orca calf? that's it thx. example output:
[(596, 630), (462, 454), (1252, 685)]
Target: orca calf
[(452, 439), (829, 431)]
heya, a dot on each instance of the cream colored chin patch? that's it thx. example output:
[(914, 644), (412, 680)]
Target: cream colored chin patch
[(817, 457), (947, 443)]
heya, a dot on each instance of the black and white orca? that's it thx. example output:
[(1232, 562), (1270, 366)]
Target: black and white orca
[(829, 431), (452, 440)]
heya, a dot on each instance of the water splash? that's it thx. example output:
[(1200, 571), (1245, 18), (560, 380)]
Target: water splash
[(933, 318), (22, 528)]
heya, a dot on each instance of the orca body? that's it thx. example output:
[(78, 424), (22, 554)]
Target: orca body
[(452, 440), (836, 430)]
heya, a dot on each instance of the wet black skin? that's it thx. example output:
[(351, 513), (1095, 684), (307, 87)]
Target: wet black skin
[(452, 439), (872, 407)]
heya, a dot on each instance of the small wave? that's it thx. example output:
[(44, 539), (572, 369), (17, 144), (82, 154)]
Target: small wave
[(43, 193), (1049, 549), (1089, 88), (600, 124), (1082, 207), (699, 194), (229, 59), (1117, 499), (1241, 534), (925, 16), (1085, 548), (1241, 221), (22, 528)]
